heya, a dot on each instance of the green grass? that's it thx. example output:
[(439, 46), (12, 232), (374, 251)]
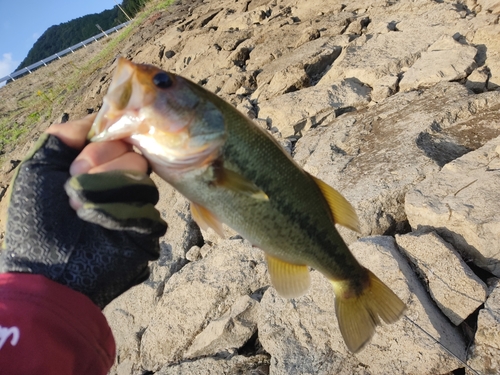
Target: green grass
[(33, 118), (11, 131)]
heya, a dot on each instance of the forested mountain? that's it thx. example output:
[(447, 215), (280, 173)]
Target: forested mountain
[(59, 37)]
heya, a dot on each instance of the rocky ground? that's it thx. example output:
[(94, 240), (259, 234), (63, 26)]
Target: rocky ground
[(396, 105)]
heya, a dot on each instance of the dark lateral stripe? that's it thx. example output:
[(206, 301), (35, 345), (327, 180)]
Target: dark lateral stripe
[(127, 193)]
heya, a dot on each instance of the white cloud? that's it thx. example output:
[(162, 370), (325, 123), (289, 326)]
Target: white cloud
[(35, 36), (7, 65)]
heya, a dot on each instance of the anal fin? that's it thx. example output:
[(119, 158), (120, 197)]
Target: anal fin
[(205, 219), (290, 280), (343, 212)]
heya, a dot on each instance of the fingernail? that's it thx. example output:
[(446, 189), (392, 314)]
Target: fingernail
[(75, 205), (79, 166)]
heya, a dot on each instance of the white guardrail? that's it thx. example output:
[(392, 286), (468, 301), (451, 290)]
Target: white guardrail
[(58, 55)]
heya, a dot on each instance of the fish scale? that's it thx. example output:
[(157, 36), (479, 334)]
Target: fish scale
[(294, 198), (234, 172)]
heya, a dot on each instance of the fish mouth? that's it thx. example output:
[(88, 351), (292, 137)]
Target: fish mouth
[(119, 116), (136, 111)]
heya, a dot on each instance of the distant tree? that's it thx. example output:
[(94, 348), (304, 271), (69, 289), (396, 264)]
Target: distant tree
[(131, 7), (59, 37)]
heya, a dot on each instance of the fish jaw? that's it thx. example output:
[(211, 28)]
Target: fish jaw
[(174, 161), (119, 116), (168, 124)]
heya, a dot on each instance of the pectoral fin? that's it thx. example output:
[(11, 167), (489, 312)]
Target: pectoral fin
[(238, 184), (205, 219), (290, 280), (342, 210)]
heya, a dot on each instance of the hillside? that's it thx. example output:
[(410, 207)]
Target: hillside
[(59, 37), (396, 104)]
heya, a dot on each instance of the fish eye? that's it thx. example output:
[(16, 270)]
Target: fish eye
[(162, 80)]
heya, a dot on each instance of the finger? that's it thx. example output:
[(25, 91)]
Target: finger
[(131, 161), (73, 133), (95, 154)]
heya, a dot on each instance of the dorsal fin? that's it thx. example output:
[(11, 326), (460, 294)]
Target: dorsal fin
[(343, 212), (289, 280)]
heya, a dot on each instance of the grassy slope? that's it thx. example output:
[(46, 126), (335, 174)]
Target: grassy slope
[(30, 104)]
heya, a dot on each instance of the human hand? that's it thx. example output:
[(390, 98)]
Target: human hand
[(107, 253)]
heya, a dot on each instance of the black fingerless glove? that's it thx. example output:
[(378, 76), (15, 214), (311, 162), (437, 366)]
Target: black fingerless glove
[(100, 256)]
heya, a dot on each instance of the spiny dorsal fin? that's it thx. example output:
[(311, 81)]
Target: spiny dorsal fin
[(239, 184), (358, 315), (290, 280), (343, 212), (205, 219)]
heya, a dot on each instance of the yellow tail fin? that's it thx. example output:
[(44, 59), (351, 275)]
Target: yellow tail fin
[(359, 315)]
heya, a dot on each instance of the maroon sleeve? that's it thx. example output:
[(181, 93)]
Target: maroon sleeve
[(47, 328)]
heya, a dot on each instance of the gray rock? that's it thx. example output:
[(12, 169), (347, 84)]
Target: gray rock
[(315, 9), (384, 87), (244, 20), (373, 157), (230, 39), (460, 202), (277, 42), (255, 365), (231, 331), (485, 353), (302, 335), (294, 113), (201, 292), (490, 36), (199, 48), (445, 60), (128, 316), (182, 234), (194, 254), (247, 108), (477, 81), (372, 56), (307, 62), (289, 79), (381, 27), (235, 81), (457, 291), (308, 35), (490, 6), (241, 54), (357, 25)]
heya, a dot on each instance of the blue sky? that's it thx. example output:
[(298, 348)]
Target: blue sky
[(22, 22)]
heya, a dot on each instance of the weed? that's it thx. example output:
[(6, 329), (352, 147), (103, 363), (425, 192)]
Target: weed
[(47, 96), (32, 118)]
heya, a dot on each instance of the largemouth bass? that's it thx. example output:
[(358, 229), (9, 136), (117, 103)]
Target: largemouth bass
[(234, 172)]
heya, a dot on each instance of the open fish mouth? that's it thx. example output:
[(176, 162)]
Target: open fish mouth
[(121, 115)]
